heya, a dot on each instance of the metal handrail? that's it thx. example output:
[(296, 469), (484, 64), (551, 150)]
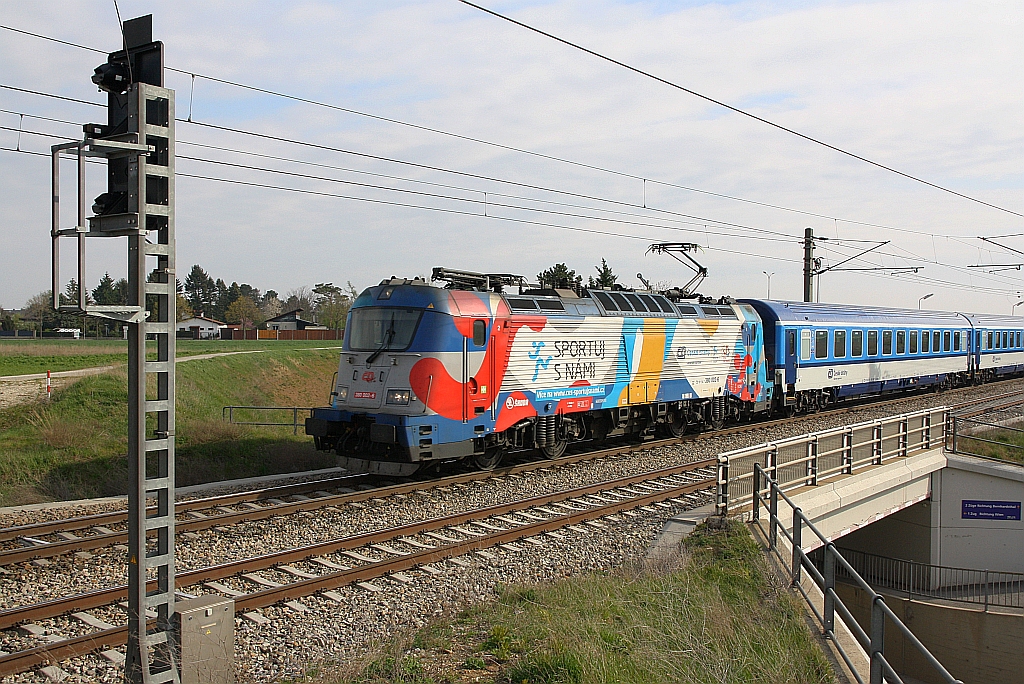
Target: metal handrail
[(959, 433), (228, 414), (873, 641), (963, 585), (860, 445)]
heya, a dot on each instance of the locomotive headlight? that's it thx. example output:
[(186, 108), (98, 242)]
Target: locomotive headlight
[(398, 397), (342, 393)]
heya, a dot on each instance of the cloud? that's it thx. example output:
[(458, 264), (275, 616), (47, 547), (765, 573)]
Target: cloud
[(931, 88)]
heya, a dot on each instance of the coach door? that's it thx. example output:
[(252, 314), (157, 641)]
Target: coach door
[(790, 356)]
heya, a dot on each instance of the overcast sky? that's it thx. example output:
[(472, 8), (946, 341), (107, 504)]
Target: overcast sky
[(931, 88)]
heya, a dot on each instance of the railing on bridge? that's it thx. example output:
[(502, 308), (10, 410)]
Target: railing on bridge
[(923, 580), (993, 438), (767, 491), (250, 415), (811, 459)]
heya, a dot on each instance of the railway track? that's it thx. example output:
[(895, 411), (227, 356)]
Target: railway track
[(358, 558), (49, 539), (420, 545)]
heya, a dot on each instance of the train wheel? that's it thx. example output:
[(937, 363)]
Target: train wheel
[(555, 449), (490, 459), (674, 425)]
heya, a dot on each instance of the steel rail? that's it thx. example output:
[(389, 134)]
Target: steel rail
[(23, 660), (95, 599), (92, 542)]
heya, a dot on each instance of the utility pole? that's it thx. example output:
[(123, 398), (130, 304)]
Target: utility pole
[(137, 143), (808, 264)]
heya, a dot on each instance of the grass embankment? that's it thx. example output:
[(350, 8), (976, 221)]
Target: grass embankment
[(718, 616), (1008, 446), (21, 357), (74, 446)]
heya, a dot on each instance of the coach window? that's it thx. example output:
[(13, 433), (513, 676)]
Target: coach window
[(1018, 339), (925, 340), (479, 333), (945, 340), (936, 340), (913, 341), (1004, 340), (872, 343), (901, 341), (805, 345), (821, 344), (998, 340), (839, 344), (956, 341), (886, 342), (857, 343)]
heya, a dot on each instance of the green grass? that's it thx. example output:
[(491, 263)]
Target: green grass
[(75, 446), (1010, 445), (21, 357), (717, 618)]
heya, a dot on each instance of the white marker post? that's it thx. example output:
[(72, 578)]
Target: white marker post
[(47, 385)]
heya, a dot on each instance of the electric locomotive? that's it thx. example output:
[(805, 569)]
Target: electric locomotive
[(470, 370)]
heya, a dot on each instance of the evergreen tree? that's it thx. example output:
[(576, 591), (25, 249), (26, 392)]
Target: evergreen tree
[(560, 276), (105, 294), (605, 277), (220, 299), (201, 291)]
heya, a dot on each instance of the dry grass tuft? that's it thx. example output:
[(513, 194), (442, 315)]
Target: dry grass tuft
[(59, 432), (210, 430)]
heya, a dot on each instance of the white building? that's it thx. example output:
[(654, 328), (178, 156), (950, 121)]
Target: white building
[(207, 328)]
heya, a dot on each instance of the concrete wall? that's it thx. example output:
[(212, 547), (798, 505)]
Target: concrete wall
[(975, 543), (976, 647), (905, 534)]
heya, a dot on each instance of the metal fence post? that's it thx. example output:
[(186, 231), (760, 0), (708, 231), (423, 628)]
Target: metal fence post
[(773, 510), (877, 446), (722, 505), (904, 437), (797, 546), (986, 590), (812, 462), (848, 452), (877, 639), (295, 421), (757, 492), (926, 430), (953, 440), (829, 614)]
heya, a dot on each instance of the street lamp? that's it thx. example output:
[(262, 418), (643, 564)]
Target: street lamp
[(769, 283), (930, 294), (1014, 307)]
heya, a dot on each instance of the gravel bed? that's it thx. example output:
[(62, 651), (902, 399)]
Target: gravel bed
[(295, 643), (28, 583)]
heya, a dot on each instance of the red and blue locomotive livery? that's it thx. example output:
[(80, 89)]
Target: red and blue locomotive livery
[(430, 374)]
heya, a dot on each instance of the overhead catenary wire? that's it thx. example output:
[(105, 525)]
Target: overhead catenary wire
[(737, 110), (193, 75)]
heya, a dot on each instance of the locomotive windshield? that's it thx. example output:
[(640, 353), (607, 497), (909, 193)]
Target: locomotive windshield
[(382, 328)]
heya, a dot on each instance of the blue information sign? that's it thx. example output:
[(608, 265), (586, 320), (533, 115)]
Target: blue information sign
[(989, 510)]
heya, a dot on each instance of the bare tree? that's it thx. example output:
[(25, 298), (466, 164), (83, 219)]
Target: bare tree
[(39, 307)]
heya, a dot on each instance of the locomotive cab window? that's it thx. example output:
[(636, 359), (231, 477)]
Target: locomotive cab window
[(945, 340), (382, 328), (926, 338), (839, 344), (886, 342), (857, 343), (872, 343), (901, 341), (805, 345), (479, 333), (821, 344)]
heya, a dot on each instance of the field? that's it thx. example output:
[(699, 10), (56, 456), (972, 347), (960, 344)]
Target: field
[(714, 615), (21, 357), (75, 446), (1006, 445)]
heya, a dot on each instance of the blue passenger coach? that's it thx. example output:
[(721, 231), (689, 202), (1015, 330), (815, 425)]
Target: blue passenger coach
[(820, 353)]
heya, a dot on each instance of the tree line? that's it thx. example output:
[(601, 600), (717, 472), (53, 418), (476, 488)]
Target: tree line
[(200, 295)]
